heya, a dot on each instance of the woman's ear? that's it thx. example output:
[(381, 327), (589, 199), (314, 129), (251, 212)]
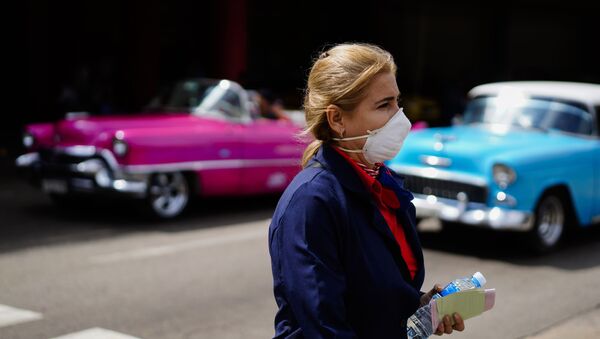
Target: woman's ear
[(334, 118)]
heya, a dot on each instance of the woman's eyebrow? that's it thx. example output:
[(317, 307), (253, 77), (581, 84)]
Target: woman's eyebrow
[(387, 99), (384, 100)]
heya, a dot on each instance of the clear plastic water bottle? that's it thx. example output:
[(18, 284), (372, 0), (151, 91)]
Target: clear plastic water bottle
[(475, 281), (419, 325)]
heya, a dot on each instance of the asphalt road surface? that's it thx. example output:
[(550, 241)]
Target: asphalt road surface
[(101, 271)]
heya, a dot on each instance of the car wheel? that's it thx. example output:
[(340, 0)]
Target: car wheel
[(168, 194), (549, 223)]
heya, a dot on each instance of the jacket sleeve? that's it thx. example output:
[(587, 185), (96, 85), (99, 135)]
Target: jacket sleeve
[(308, 245)]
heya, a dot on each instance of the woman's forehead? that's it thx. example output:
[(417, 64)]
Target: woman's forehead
[(383, 85)]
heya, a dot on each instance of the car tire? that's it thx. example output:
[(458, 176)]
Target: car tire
[(168, 195), (550, 223)]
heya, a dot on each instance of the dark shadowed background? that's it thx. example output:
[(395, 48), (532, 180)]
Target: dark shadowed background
[(112, 56)]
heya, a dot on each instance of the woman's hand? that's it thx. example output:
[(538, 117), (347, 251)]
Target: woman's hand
[(446, 325), (425, 298)]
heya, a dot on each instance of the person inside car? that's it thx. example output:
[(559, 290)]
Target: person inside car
[(270, 106)]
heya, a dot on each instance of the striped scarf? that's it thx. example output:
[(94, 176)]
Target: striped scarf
[(374, 172)]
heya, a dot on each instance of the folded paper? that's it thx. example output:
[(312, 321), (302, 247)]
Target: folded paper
[(467, 303)]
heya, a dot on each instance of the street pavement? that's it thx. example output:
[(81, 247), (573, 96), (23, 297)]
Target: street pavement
[(585, 325), (102, 271)]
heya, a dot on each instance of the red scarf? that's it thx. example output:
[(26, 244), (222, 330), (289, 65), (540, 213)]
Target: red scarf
[(387, 203)]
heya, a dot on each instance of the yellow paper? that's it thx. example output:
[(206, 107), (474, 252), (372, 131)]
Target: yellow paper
[(468, 304)]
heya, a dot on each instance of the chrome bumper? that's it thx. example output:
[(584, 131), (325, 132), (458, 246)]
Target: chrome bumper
[(97, 172), (472, 213)]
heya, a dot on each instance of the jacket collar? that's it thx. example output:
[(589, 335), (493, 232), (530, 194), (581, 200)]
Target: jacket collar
[(340, 167), (329, 158)]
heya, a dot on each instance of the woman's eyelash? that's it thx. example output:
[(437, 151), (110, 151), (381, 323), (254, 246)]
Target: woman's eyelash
[(398, 100)]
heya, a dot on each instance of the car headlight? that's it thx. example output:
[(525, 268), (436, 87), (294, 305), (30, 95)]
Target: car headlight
[(119, 147), (28, 140), (504, 175)]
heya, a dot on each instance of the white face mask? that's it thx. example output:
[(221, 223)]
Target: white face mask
[(383, 143)]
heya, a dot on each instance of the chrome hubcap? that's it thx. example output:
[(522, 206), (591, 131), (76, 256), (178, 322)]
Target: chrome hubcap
[(168, 194), (551, 220)]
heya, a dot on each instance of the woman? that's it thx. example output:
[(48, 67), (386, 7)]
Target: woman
[(345, 254)]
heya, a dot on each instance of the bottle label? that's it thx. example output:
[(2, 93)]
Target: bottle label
[(459, 285), (451, 288), (420, 324)]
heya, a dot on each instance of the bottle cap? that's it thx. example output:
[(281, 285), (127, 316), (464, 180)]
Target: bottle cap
[(479, 277)]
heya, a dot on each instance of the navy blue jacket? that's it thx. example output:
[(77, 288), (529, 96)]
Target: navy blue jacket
[(337, 268)]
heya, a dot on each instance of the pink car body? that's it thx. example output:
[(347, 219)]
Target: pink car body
[(221, 148)]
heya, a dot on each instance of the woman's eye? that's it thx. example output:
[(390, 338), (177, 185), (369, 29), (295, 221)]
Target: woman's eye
[(387, 103)]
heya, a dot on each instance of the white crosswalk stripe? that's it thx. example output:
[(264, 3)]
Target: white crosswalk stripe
[(96, 333), (11, 316)]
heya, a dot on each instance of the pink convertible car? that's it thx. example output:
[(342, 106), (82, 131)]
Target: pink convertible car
[(202, 137)]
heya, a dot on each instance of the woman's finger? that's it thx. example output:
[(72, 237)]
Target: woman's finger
[(447, 325), (440, 329), (459, 323)]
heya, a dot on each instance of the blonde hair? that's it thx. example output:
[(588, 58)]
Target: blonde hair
[(339, 76)]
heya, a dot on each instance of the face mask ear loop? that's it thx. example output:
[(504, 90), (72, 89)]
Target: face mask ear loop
[(351, 138), (346, 139), (350, 150)]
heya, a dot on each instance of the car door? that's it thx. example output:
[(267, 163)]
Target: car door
[(596, 214), (596, 164), (221, 173), (272, 154)]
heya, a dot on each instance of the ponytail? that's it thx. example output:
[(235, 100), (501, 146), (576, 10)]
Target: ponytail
[(310, 151)]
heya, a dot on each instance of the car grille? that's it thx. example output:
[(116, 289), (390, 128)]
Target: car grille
[(444, 188), (52, 157), (58, 164)]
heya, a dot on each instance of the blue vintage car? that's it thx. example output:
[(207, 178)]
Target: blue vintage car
[(526, 157)]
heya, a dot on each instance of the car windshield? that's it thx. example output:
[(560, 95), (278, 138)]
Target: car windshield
[(202, 97), (534, 113)]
